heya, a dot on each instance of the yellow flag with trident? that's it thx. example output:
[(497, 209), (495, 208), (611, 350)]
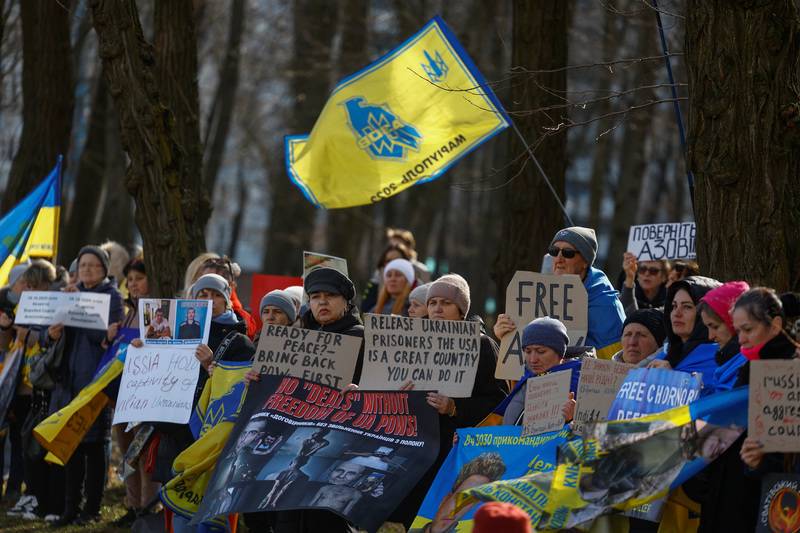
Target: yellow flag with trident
[(401, 121)]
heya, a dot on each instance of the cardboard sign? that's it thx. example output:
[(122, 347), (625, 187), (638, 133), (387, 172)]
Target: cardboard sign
[(74, 309), (437, 355), (174, 322), (157, 385), (652, 242), (780, 499), (319, 356), (544, 397), (530, 296), (774, 407), (301, 445), (597, 387)]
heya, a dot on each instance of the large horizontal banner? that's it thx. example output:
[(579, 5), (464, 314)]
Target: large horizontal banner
[(74, 309), (174, 322), (321, 356), (652, 242), (531, 295), (483, 455), (646, 392), (437, 355), (624, 464), (302, 445)]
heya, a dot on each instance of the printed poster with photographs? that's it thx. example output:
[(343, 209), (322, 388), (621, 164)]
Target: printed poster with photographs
[(174, 322), (301, 445)]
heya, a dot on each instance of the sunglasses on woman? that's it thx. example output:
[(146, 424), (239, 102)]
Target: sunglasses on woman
[(652, 270), (568, 253)]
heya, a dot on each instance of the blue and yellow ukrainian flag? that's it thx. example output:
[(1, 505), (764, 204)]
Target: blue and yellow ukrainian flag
[(400, 121), (30, 228)]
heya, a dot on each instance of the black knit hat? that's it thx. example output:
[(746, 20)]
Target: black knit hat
[(329, 280), (652, 319), (101, 254)]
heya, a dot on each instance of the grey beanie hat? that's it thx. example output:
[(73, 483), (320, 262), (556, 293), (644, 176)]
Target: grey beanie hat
[(17, 271), (282, 300), (546, 331), (329, 280), (101, 254), (214, 282), (583, 239), (420, 294), (454, 288)]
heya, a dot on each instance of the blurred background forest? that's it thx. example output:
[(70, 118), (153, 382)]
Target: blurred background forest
[(265, 69)]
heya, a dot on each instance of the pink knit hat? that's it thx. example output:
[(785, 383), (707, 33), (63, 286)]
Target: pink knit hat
[(492, 517), (722, 298)]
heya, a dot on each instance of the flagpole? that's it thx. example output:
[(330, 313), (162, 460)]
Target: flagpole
[(541, 171)]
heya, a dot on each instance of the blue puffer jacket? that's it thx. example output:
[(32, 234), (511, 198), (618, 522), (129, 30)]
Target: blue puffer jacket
[(606, 315), (83, 351)]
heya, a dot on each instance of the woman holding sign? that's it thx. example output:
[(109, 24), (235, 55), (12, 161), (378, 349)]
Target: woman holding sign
[(449, 299), (83, 350), (733, 489)]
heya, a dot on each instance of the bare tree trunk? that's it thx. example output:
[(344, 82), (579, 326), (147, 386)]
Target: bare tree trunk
[(743, 143), (532, 216), (219, 120), (47, 88), (175, 71), (167, 210), (292, 217)]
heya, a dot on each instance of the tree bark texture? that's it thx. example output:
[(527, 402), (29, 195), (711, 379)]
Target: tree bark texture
[(48, 96), (175, 72), (167, 210), (743, 142), (532, 215)]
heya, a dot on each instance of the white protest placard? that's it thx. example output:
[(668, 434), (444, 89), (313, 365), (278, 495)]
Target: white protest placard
[(157, 385), (73, 309), (651, 242), (437, 355), (597, 387), (174, 322), (532, 295), (314, 260), (773, 416), (544, 398), (320, 356)]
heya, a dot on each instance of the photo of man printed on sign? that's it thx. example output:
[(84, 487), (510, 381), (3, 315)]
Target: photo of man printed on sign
[(157, 320), (190, 320)]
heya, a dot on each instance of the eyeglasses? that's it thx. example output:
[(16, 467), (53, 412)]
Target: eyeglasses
[(652, 270), (220, 265), (568, 253)]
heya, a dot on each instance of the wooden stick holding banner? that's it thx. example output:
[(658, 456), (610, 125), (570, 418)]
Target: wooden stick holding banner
[(652, 242), (320, 356), (531, 295), (437, 355)]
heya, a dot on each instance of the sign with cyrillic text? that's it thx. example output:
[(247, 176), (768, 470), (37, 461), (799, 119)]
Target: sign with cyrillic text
[(652, 242), (531, 295), (439, 355), (320, 356), (774, 407), (157, 385), (544, 398), (597, 387), (74, 309)]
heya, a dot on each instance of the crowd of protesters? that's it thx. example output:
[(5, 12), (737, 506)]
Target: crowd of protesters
[(660, 315)]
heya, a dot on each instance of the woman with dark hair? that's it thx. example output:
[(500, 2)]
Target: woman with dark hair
[(690, 349), (682, 270), (734, 487)]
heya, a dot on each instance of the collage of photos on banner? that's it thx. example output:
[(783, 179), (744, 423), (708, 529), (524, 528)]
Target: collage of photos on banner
[(174, 321), (275, 465)]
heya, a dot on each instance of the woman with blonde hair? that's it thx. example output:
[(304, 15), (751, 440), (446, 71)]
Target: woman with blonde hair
[(398, 282)]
